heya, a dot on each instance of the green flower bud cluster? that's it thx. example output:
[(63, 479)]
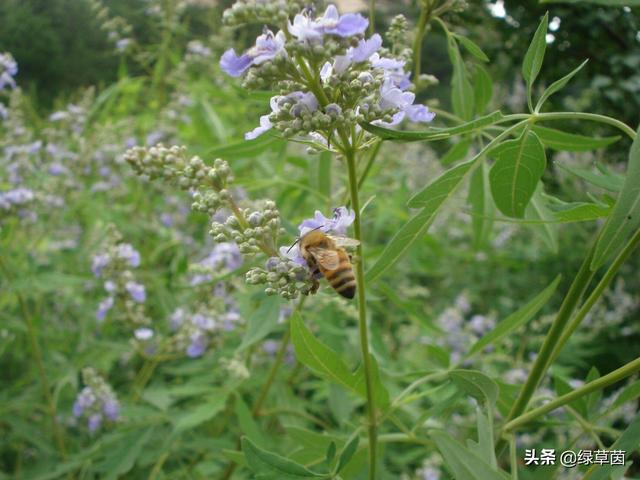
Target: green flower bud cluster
[(252, 231), (397, 32), (261, 11), (284, 277)]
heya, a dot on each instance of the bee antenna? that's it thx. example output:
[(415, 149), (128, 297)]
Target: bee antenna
[(293, 244)]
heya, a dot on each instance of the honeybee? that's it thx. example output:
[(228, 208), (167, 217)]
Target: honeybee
[(325, 254)]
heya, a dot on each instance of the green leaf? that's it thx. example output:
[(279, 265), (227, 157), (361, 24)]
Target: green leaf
[(431, 199), (481, 206), (124, 456), (327, 363), (608, 180), (272, 466), (579, 212), (517, 318), (317, 356), (435, 133), (476, 384), (462, 97), (212, 120), (558, 85), (472, 48), (331, 452), (571, 142), (484, 447), (248, 425), (463, 463), (196, 416), (457, 152), (514, 177), (262, 321), (347, 453), (625, 216), (630, 393), (482, 89), (538, 210), (535, 53), (627, 442)]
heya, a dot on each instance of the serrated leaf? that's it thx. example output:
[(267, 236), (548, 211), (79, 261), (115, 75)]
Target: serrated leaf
[(472, 48), (462, 97), (518, 168), (482, 89), (535, 53), (431, 199), (476, 384), (625, 217), (608, 180), (517, 318), (272, 466), (463, 463), (435, 133), (347, 453), (558, 85), (571, 142)]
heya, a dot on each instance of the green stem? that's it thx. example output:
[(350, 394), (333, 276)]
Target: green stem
[(264, 391), (423, 20), (579, 285), (598, 384), (372, 17), (596, 293), (362, 313)]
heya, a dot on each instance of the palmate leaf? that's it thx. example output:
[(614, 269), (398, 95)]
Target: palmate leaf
[(625, 217), (514, 177), (462, 97)]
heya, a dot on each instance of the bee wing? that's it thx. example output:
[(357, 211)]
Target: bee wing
[(344, 241), (327, 259)]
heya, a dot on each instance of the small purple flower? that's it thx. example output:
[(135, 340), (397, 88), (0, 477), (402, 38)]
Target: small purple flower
[(270, 347), (419, 113), (267, 47), (301, 100), (391, 97), (345, 25), (230, 319), (198, 345), (84, 400), (16, 197), (265, 125), (129, 254), (94, 422), (177, 318), (8, 69), (203, 322), (103, 308), (365, 49), (77, 409), (137, 291), (293, 254), (341, 220), (111, 408)]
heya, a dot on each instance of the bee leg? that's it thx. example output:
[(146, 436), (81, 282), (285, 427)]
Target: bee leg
[(315, 287)]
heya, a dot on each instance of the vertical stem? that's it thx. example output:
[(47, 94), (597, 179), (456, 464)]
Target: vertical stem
[(362, 313), (264, 391), (425, 13), (372, 17)]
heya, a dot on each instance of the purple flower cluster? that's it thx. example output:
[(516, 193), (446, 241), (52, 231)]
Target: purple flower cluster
[(224, 256), (96, 402), (8, 70), (360, 81), (16, 198)]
